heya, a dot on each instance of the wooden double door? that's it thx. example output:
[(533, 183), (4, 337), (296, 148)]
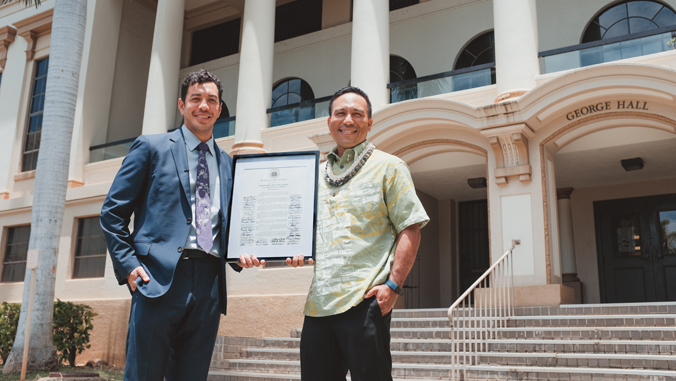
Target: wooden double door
[(636, 243)]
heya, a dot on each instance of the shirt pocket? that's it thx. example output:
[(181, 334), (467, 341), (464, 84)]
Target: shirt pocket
[(365, 199)]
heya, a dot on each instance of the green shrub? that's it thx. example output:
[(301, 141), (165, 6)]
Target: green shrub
[(9, 320), (72, 323)]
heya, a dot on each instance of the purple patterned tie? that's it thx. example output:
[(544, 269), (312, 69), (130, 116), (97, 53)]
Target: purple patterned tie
[(203, 201)]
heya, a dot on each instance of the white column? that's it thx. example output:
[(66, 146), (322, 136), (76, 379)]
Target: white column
[(254, 89), (96, 84), (516, 47), (165, 60), (567, 243), (370, 69)]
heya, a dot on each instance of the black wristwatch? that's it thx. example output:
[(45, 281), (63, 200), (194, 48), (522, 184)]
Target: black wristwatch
[(395, 287)]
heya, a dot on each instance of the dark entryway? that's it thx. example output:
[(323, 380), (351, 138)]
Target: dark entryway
[(473, 241), (636, 243)]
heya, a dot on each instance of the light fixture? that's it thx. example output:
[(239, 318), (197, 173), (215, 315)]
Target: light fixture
[(632, 164), (477, 182)]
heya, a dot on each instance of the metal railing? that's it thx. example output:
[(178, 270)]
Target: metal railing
[(298, 112), (479, 312), (608, 50), (442, 83)]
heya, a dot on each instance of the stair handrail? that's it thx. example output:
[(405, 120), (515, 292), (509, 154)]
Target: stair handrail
[(490, 310)]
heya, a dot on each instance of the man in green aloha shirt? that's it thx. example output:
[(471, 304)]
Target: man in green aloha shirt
[(368, 231)]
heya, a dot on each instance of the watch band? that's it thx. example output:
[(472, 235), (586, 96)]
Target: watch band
[(395, 287)]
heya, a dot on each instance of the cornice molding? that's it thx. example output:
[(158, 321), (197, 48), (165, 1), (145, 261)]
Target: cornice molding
[(7, 35), (34, 27)]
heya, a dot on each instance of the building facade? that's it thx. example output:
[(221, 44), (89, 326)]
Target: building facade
[(546, 121)]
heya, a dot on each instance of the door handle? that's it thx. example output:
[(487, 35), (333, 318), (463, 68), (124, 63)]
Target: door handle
[(645, 254), (657, 254)]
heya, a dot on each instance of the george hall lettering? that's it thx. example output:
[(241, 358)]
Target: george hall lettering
[(605, 106)]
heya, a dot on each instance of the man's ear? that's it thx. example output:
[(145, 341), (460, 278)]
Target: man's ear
[(181, 106)]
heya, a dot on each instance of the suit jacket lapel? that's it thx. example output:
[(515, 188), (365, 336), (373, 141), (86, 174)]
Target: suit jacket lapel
[(181, 161)]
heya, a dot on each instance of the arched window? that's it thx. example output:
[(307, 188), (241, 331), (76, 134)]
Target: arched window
[(401, 70), (481, 50), (224, 126), (289, 92), (629, 17)]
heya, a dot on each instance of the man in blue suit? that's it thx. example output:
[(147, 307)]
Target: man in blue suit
[(178, 186)]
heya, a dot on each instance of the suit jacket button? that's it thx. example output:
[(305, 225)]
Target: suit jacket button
[(180, 249), (189, 221)]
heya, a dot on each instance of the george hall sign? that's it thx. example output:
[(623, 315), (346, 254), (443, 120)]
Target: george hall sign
[(606, 106)]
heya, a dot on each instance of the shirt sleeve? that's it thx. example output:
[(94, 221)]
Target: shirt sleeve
[(403, 205)]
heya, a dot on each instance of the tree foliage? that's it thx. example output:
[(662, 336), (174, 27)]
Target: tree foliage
[(9, 320), (72, 323), (27, 2)]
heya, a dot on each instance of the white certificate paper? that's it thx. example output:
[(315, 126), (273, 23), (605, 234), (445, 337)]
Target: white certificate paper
[(272, 213)]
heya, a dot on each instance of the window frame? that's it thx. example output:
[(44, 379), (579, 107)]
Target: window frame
[(4, 243), (29, 103), (74, 248), (612, 5)]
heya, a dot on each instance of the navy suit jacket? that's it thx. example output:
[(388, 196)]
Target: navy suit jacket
[(153, 184)]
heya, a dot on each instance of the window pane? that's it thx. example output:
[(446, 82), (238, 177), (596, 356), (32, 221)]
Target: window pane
[(480, 51), (29, 159), (637, 25), (14, 263), (297, 18), (215, 42), (647, 9), (613, 15), (617, 30), (90, 250), (665, 18)]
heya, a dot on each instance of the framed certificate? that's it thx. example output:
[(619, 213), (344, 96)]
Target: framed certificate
[(273, 208)]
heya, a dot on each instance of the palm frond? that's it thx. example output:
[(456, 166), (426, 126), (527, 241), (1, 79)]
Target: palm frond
[(27, 2)]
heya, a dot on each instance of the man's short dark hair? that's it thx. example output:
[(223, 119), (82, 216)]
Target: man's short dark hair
[(201, 76), (351, 89)]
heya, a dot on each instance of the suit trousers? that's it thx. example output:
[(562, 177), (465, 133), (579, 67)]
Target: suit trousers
[(358, 340), (173, 336)]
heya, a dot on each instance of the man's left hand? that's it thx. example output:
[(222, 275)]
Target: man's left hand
[(249, 261), (385, 296)]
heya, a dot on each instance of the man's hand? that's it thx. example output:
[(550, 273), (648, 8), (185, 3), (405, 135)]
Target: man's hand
[(249, 261), (138, 272), (385, 296), (298, 260)]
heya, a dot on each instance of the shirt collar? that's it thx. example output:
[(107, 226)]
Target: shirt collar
[(349, 154), (193, 141)]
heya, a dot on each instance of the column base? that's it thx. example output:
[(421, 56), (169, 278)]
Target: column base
[(509, 95), (572, 281), (528, 296), (243, 148), (543, 295)]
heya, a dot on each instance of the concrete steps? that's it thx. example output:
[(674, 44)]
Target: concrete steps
[(580, 342)]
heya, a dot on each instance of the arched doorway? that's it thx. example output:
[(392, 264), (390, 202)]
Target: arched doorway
[(627, 168)]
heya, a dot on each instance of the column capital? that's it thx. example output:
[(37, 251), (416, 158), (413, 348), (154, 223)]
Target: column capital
[(510, 145), (564, 193), (7, 35)]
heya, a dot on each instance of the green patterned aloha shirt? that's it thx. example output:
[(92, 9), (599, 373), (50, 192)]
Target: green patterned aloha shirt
[(357, 228)]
